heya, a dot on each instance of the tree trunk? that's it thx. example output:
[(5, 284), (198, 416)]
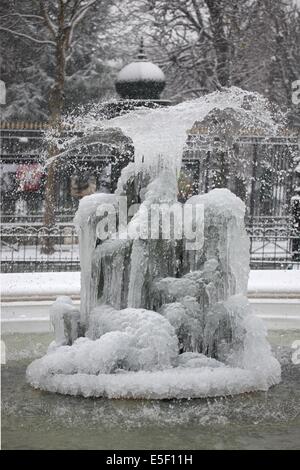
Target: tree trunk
[(49, 214), (56, 103), (220, 42)]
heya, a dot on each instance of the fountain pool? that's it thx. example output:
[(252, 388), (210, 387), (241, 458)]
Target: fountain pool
[(32, 419), (165, 326)]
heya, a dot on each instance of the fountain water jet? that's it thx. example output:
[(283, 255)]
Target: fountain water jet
[(159, 320)]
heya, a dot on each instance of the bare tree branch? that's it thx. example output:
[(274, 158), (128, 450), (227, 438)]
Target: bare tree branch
[(26, 36), (22, 15), (47, 19), (77, 17)]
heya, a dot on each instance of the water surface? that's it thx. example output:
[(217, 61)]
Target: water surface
[(32, 419)]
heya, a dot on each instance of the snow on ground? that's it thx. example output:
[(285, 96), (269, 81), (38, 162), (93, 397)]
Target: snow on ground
[(68, 283), (40, 284), (274, 281)]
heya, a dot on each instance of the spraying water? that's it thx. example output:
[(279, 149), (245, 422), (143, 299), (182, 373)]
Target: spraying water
[(163, 131)]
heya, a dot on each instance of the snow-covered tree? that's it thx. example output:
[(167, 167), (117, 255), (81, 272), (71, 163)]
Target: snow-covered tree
[(203, 45), (52, 55)]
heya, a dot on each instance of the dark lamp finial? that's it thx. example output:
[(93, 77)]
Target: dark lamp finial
[(141, 55)]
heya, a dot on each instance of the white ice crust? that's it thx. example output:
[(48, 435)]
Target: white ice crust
[(203, 339), (145, 343)]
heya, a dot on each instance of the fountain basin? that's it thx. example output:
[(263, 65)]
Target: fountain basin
[(33, 419), (167, 384), (25, 316)]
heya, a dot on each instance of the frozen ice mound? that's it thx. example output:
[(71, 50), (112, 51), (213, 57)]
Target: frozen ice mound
[(65, 318), (137, 356), (200, 340), (157, 318), (130, 339), (179, 382), (176, 383)]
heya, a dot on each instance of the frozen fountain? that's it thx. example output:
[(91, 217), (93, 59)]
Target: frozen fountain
[(161, 316)]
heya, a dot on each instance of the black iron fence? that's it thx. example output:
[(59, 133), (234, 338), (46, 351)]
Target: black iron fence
[(274, 244), (36, 219), (22, 247), (261, 171)]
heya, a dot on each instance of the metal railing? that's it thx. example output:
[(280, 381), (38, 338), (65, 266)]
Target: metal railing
[(22, 248), (36, 218), (274, 244)]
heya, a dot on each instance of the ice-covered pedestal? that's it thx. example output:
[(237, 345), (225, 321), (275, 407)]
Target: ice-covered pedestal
[(160, 317), (161, 321)]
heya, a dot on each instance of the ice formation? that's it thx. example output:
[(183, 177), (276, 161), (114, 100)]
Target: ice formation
[(157, 318), (65, 319)]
